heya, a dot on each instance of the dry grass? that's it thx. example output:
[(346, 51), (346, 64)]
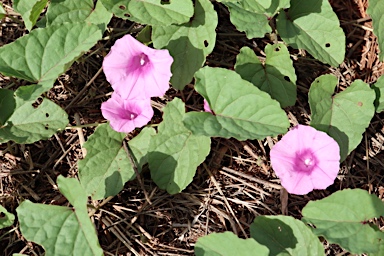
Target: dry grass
[(235, 183)]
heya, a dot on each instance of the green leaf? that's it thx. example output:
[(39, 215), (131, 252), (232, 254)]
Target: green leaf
[(6, 218), (175, 153), (61, 229), (152, 12), (342, 218), (375, 10), (284, 235), (60, 11), (276, 76), (28, 124), (45, 53), (379, 90), (191, 41), (227, 243), (266, 7), (30, 10), (312, 25), (107, 167), (343, 116), (3, 13), (140, 146), (242, 111), (100, 16), (255, 25), (7, 105)]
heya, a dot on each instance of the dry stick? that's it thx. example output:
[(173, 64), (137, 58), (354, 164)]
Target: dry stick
[(134, 165), (260, 181), (119, 235), (84, 89), (226, 201), (367, 157), (80, 134)]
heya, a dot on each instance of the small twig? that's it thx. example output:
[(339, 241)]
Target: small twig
[(80, 134), (134, 166)]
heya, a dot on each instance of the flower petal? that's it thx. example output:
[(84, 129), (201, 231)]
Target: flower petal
[(137, 71), (126, 115), (305, 159)]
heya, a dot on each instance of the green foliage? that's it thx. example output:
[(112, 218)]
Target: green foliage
[(375, 10), (3, 13), (61, 230), (100, 16), (241, 110), (60, 11), (107, 167), (276, 76), (191, 41), (312, 25), (6, 218), (175, 153), (152, 12), (45, 53), (7, 105), (254, 24), (343, 218), (30, 10), (284, 235), (252, 17), (228, 244), (379, 89), (343, 116), (28, 123)]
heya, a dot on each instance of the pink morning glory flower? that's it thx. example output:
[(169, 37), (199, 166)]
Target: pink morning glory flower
[(126, 115), (206, 106), (305, 159), (137, 71)]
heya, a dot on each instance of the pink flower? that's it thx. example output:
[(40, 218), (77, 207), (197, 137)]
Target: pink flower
[(137, 71), (206, 106), (305, 159), (126, 115)]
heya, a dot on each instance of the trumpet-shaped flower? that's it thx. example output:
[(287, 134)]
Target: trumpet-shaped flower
[(305, 159), (137, 71), (126, 115)]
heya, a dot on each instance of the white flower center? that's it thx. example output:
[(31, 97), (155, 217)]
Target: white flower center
[(132, 116), (308, 161), (142, 60)]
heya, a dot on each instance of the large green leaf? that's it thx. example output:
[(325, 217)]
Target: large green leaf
[(342, 218), (107, 167), (152, 12), (379, 89), (28, 123), (228, 244), (276, 76), (100, 16), (60, 11), (255, 25), (312, 25), (191, 41), (61, 230), (241, 110), (7, 105), (343, 116), (175, 153), (6, 218), (284, 235), (253, 17), (375, 10), (45, 53), (30, 10)]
